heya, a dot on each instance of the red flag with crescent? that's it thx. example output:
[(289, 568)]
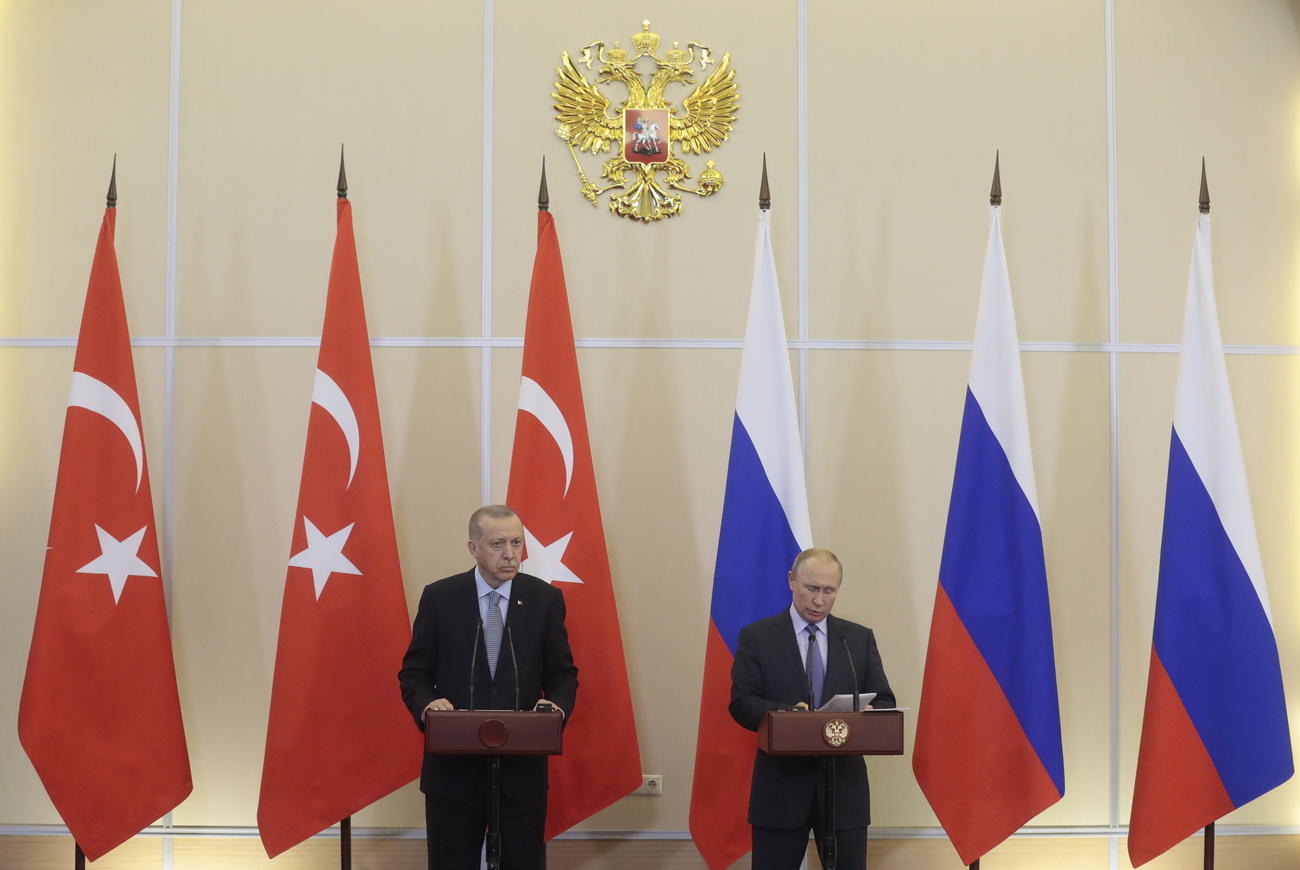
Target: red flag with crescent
[(553, 489), (338, 736), (100, 715)]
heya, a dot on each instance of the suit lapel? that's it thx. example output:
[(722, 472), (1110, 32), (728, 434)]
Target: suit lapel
[(784, 640), (839, 678)]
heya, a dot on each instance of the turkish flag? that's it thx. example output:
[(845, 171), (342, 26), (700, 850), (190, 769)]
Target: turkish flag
[(100, 717), (553, 489), (338, 736)]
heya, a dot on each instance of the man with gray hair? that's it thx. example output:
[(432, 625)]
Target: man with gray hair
[(799, 659), (516, 618)]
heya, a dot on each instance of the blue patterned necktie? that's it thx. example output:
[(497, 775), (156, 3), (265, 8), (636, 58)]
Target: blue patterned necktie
[(492, 628), (816, 670)]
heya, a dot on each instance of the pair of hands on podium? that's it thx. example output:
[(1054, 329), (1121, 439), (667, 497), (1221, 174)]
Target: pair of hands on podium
[(803, 705), (442, 704)]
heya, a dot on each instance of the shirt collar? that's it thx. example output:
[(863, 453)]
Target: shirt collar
[(483, 588), (800, 624)]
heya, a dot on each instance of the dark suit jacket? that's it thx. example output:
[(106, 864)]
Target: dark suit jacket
[(768, 674), (437, 665)]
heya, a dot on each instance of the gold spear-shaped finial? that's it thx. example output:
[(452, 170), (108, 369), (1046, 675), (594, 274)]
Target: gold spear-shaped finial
[(343, 177), (543, 196), (995, 192), (1205, 190), (112, 185), (764, 193)]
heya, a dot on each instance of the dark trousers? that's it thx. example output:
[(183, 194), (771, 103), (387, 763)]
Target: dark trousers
[(784, 848), (456, 829)]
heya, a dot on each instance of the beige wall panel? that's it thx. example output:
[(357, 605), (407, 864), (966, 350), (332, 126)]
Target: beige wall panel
[(1255, 852), (685, 277), (55, 853), (80, 82), (882, 443), (241, 425), (901, 142), (34, 386), (268, 93), (1261, 386), (1219, 80), (660, 427)]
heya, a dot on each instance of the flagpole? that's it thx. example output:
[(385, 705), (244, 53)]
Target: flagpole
[(543, 196), (1207, 860), (345, 826), (78, 856), (995, 201)]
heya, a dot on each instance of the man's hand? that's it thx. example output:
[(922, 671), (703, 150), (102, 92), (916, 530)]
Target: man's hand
[(545, 706), (439, 704), (802, 705)]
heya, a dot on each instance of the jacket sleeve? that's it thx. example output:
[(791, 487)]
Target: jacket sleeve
[(418, 676), (875, 679), (560, 674), (748, 701)]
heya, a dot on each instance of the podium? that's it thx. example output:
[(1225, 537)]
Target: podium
[(493, 733), (827, 735)]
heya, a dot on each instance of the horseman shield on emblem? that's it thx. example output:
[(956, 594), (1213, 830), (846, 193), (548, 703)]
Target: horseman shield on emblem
[(645, 138)]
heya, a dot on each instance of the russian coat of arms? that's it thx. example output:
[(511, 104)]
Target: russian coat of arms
[(646, 135)]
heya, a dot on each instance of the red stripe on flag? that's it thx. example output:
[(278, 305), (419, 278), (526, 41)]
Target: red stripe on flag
[(972, 759), (724, 762), (1178, 791)]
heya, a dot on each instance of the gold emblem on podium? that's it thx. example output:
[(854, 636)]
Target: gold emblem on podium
[(835, 732), (646, 134)]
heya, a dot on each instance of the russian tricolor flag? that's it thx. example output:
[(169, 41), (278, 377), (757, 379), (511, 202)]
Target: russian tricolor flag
[(988, 732), (764, 526), (1215, 733)]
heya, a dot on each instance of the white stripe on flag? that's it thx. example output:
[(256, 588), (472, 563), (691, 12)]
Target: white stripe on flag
[(765, 399), (1205, 419), (996, 380)]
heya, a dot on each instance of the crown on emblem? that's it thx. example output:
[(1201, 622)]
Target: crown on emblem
[(645, 42)]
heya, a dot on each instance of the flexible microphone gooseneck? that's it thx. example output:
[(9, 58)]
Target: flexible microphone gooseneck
[(514, 662), (473, 658), (854, 669)]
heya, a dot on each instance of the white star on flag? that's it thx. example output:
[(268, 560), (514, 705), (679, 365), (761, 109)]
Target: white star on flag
[(118, 560), (544, 560), (324, 555)]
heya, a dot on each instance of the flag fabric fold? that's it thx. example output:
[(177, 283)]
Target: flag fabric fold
[(553, 489), (338, 736), (764, 526), (1199, 756), (988, 736), (100, 714)]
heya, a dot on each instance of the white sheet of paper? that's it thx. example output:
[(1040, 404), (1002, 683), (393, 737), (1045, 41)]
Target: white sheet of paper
[(844, 703)]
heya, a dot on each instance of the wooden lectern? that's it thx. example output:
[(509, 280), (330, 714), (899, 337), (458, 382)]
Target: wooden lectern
[(493, 733), (826, 735)]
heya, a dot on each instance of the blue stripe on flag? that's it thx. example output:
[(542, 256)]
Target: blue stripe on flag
[(755, 547), (1215, 641), (994, 574)]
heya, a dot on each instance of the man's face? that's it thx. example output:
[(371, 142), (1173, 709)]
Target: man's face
[(813, 589), (499, 548)]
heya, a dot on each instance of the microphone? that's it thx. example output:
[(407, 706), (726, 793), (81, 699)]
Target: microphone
[(514, 662), (854, 669), (473, 659)]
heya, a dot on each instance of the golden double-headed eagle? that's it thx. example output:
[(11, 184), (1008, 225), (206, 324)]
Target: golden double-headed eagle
[(644, 131)]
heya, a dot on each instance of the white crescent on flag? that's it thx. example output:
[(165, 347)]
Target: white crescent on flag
[(330, 396), (534, 400), (98, 397)]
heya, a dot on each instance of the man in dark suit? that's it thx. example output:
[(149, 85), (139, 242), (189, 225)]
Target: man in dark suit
[(779, 662), (504, 608)]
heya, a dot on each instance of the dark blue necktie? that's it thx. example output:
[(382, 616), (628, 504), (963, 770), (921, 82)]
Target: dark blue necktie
[(816, 670)]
